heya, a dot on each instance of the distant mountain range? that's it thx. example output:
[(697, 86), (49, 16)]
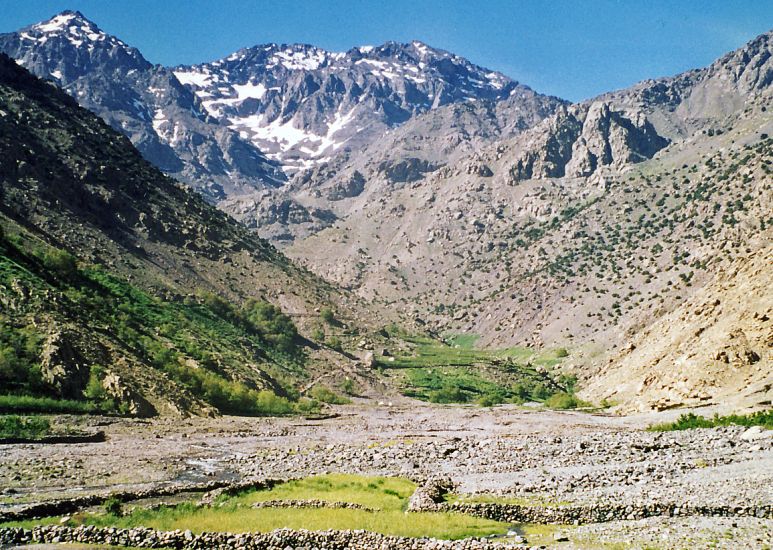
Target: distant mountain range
[(245, 123)]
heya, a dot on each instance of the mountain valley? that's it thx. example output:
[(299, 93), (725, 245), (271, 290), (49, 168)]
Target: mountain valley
[(382, 297)]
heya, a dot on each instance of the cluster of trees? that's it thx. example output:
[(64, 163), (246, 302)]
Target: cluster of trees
[(259, 317)]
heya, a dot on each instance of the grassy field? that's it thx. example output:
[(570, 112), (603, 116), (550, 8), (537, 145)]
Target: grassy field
[(386, 497), (382, 493), (455, 371)]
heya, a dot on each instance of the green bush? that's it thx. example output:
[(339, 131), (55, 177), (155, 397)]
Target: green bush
[(270, 323), (23, 427), (327, 315), (61, 263), (326, 395), (113, 507), (540, 392), (218, 305), (448, 394), (334, 342), (563, 401), (349, 387), (19, 354), (44, 405)]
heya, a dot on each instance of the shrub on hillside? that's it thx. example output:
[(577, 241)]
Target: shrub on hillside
[(326, 395), (61, 263), (564, 401), (448, 394), (273, 325)]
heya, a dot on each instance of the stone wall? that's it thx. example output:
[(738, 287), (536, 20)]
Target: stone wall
[(280, 539), (514, 513)]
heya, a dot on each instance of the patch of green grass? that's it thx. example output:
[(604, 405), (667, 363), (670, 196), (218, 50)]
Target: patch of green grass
[(241, 519), (30, 523), (459, 373), (44, 405), (381, 493), (386, 497), (24, 427), (691, 420), (465, 341)]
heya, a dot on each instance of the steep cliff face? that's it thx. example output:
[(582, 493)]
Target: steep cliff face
[(579, 140)]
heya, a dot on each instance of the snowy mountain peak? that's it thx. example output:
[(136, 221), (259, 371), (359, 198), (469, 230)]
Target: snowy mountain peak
[(72, 25), (302, 104)]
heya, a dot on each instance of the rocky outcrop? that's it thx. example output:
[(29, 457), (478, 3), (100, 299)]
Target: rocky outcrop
[(127, 399), (63, 366), (611, 138), (429, 496), (579, 140)]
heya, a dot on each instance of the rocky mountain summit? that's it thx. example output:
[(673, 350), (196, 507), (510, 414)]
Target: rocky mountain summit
[(143, 101), (236, 128), (302, 104), (427, 144)]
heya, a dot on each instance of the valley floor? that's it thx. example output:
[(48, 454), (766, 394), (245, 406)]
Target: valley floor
[(531, 456)]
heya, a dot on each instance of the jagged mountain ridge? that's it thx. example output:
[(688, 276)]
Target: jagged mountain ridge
[(299, 104), (426, 144), (303, 104), (143, 101)]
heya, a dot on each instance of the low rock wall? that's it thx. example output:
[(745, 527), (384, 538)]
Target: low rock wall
[(280, 539), (70, 505), (514, 513)]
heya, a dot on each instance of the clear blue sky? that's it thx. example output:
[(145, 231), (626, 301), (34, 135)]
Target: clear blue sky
[(571, 48)]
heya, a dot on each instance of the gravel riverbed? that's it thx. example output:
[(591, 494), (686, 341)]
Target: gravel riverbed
[(532, 455)]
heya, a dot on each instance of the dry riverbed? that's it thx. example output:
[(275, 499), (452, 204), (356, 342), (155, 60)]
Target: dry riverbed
[(530, 456)]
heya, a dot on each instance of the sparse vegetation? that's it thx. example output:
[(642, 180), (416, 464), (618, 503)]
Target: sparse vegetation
[(326, 395), (691, 421), (201, 343), (564, 401), (440, 373)]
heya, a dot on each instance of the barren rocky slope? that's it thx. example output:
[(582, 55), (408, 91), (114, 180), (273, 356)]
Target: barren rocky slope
[(716, 346), (427, 143)]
